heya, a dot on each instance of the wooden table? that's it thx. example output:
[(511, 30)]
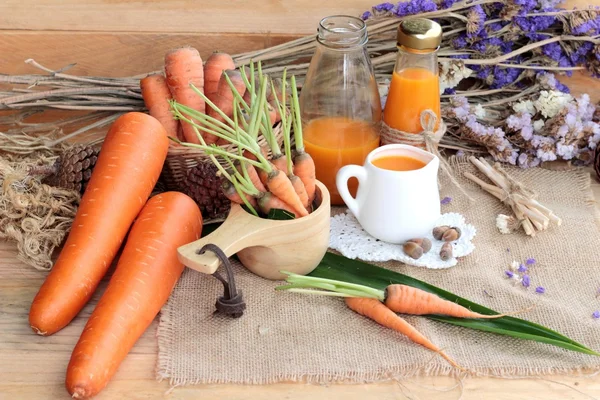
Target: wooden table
[(120, 38)]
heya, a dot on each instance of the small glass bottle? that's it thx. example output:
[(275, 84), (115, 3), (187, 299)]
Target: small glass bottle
[(415, 82), (339, 101)]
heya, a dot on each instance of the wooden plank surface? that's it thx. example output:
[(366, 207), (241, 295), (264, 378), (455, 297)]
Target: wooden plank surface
[(33, 367), (177, 16)]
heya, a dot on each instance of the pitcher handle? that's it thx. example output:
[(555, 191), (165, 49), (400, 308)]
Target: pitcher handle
[(341, 181)]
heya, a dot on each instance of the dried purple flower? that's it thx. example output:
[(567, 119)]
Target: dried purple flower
[(366, 15), (530, 261), (522, 268), (526, 281), (596, 314), (446, 200), (509, 274), (540, 290), (475, 20), (383, 7)]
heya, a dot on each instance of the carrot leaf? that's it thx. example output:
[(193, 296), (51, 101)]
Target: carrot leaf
[(280, 215)]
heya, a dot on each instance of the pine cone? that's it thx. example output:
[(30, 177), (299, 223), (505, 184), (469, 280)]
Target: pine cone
[(204, 186), (597, 162), (73, 168)]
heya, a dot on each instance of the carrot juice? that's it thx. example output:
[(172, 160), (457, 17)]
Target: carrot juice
[(334, 142), (412, 90)]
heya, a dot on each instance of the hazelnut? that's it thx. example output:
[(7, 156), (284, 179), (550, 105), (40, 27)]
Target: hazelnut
[(446, 251), (412, 250), (423, 242), (451, 234), (439, 231)]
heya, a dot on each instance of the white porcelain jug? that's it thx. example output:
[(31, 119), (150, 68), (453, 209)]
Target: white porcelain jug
[(394, 206)]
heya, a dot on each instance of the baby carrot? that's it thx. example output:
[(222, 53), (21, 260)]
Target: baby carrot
[(183, 67), (409, 300), (378, 312), (156, 96)]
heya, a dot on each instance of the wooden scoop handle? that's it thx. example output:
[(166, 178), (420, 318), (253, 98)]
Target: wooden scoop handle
[(236, 233)]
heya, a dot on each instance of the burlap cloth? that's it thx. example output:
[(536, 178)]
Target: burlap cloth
[(294, 337)]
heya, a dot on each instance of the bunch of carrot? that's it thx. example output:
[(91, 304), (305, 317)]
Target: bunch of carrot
[(114, 206), (382, 305), (216, 79), (262, 179)]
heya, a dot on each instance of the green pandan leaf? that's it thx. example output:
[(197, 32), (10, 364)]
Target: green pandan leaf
[(344, 269), (280, 215)]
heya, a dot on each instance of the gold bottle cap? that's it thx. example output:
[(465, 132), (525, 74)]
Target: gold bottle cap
[(420, 34)]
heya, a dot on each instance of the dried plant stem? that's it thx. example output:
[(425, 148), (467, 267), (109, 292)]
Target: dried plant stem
[(532, 215)]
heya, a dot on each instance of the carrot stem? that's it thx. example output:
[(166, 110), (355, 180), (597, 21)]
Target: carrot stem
[(212, 105), (243, 197), (297, 119), (211, 129), (339, 286)]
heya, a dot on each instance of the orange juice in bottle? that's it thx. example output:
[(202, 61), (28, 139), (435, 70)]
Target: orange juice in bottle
[(415, 84), (334, 142), (339, 101)]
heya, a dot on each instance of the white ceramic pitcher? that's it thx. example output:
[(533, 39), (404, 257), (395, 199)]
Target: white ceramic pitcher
[(394, 206)]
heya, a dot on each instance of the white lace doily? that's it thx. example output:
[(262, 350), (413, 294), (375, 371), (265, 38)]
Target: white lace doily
[(349, 238)]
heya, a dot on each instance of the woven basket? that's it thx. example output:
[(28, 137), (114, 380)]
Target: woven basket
[(181, 159)]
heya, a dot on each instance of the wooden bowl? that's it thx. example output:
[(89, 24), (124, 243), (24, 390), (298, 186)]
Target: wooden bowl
[(266, 246)]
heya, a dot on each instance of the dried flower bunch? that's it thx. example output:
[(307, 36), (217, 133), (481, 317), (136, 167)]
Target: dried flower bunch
[(497, 65)]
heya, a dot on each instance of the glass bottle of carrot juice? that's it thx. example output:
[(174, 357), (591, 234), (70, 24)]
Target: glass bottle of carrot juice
[(415, 84), (339, 101)]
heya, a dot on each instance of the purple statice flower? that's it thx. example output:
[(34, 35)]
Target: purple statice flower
[(521, 122), (589, 27), (366, 15), (460, 42), (528, 160), (537, 36), (579, 55), (596, 314), (448, 3), (554, 51), (526, 5), (530, 261), (461, 107), (522, 268), (545, 147), (475, 21), (548, 81), (566, 151), (383, 7), (540, 290), (446, 200), (509, 274), (526, 281), (449, 91), (414, 7), (534, 23), (479, 46)]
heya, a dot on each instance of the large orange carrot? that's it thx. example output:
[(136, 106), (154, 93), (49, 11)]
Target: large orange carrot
[(224, 97), (145, 275), (304, 168), (279, 184), (156, 96), (129, 164), (214, 66), (378, 312), (268, 201), (183, 67), (409, 300)]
